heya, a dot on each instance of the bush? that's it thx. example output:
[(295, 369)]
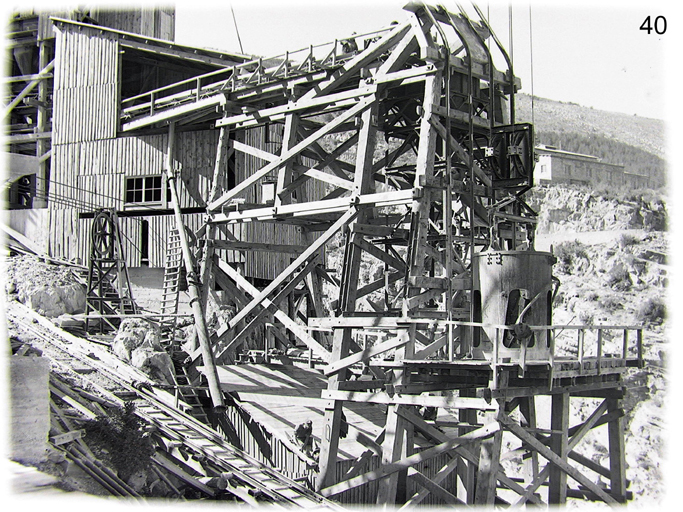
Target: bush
[(568, 254), (627, 240), (586, 317), (619, 278), (592, 296), (652, 311), (610, 304), (119, 439)]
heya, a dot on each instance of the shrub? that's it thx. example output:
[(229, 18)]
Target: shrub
[(120, 440), (619, 278), (586, 317), (610, 304), (592, 296), (568, 254), (627, 240), (652, 311)]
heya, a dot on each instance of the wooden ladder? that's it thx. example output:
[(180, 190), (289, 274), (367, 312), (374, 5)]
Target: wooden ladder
[(187, 392), (171, 290)]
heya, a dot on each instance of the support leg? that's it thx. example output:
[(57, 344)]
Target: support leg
[(466, 470), (617, 460), (489, 462), (559, 421), (528, 409)]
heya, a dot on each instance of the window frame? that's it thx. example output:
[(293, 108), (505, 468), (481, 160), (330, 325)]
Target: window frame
[(161, 203)]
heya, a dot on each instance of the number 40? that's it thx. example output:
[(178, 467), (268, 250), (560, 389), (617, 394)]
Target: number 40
[(659, 26)]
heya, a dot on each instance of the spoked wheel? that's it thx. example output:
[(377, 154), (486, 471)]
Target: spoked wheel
[(103, 236)]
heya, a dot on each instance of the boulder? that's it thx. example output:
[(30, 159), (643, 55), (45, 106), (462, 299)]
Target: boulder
[(154, 362), (138, 342), (53, 301)]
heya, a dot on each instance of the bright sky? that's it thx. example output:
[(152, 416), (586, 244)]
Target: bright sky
[(594, 56)]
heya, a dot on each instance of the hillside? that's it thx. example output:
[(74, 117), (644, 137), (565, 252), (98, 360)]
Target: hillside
[(613, 269), (556, 116), (637, 143)]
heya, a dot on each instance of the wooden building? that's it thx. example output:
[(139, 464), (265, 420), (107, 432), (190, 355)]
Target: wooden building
[(31, 50), (98, 72)]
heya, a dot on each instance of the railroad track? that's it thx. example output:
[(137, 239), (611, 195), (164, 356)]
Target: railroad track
[(187, 448)]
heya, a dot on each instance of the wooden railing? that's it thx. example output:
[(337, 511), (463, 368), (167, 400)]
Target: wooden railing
[(247, 74)]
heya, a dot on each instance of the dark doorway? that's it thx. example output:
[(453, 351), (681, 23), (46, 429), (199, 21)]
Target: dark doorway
[(144, 243)]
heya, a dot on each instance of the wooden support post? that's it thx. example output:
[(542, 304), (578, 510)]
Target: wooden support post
[(193, 281), (598, 362), (559, 422), (392, 448), (466, 469), (421, 206), (617, 455), (398, 438), (342, 339), (206, 267), (284, 174), (489, 462), (42, 187), (333, 416), (527, 407)]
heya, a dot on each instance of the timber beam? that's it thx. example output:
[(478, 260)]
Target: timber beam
[(418, 215)]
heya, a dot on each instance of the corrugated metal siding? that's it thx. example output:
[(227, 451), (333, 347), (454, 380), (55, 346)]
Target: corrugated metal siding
[(85, 85)]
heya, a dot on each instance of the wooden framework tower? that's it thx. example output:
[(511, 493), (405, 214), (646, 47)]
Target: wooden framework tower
[(460, 312)]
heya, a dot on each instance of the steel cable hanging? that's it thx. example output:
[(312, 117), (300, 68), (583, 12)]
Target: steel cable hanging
[(531, 62)]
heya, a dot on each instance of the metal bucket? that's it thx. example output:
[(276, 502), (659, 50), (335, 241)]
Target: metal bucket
[(512, 288)]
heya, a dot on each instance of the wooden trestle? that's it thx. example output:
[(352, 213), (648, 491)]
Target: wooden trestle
[(449, 185)]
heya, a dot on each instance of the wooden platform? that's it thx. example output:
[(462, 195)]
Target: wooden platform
[(280, 397)]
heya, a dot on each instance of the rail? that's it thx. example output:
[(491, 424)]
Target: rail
[(586, 352), (248, 478), (251, 73), (583, 347)]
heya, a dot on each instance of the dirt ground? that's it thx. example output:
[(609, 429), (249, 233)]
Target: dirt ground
[(147, 286)]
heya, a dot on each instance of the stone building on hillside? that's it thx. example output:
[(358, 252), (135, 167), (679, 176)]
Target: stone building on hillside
[(558, 166)]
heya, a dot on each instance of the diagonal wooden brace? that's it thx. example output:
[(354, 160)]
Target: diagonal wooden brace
[(261, 316), (555, 459), (296, 329)]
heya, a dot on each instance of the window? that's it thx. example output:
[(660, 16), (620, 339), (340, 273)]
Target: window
[(144, 190)]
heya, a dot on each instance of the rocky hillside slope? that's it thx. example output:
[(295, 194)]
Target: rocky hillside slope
[(557, 116), (612, 266)]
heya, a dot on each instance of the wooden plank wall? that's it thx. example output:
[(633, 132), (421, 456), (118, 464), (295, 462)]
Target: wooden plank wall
[(269, 265), (85, 85), (281, 457), (91, 174), (158, 22), (33, 224), (90, 164), (64, 236)]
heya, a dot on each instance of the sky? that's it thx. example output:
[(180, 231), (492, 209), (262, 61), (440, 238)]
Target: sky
[(589, 53)]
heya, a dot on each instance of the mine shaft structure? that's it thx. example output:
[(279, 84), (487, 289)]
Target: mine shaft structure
[(460, 312)]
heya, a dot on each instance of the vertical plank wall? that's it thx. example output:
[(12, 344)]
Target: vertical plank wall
[(90, 162)]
